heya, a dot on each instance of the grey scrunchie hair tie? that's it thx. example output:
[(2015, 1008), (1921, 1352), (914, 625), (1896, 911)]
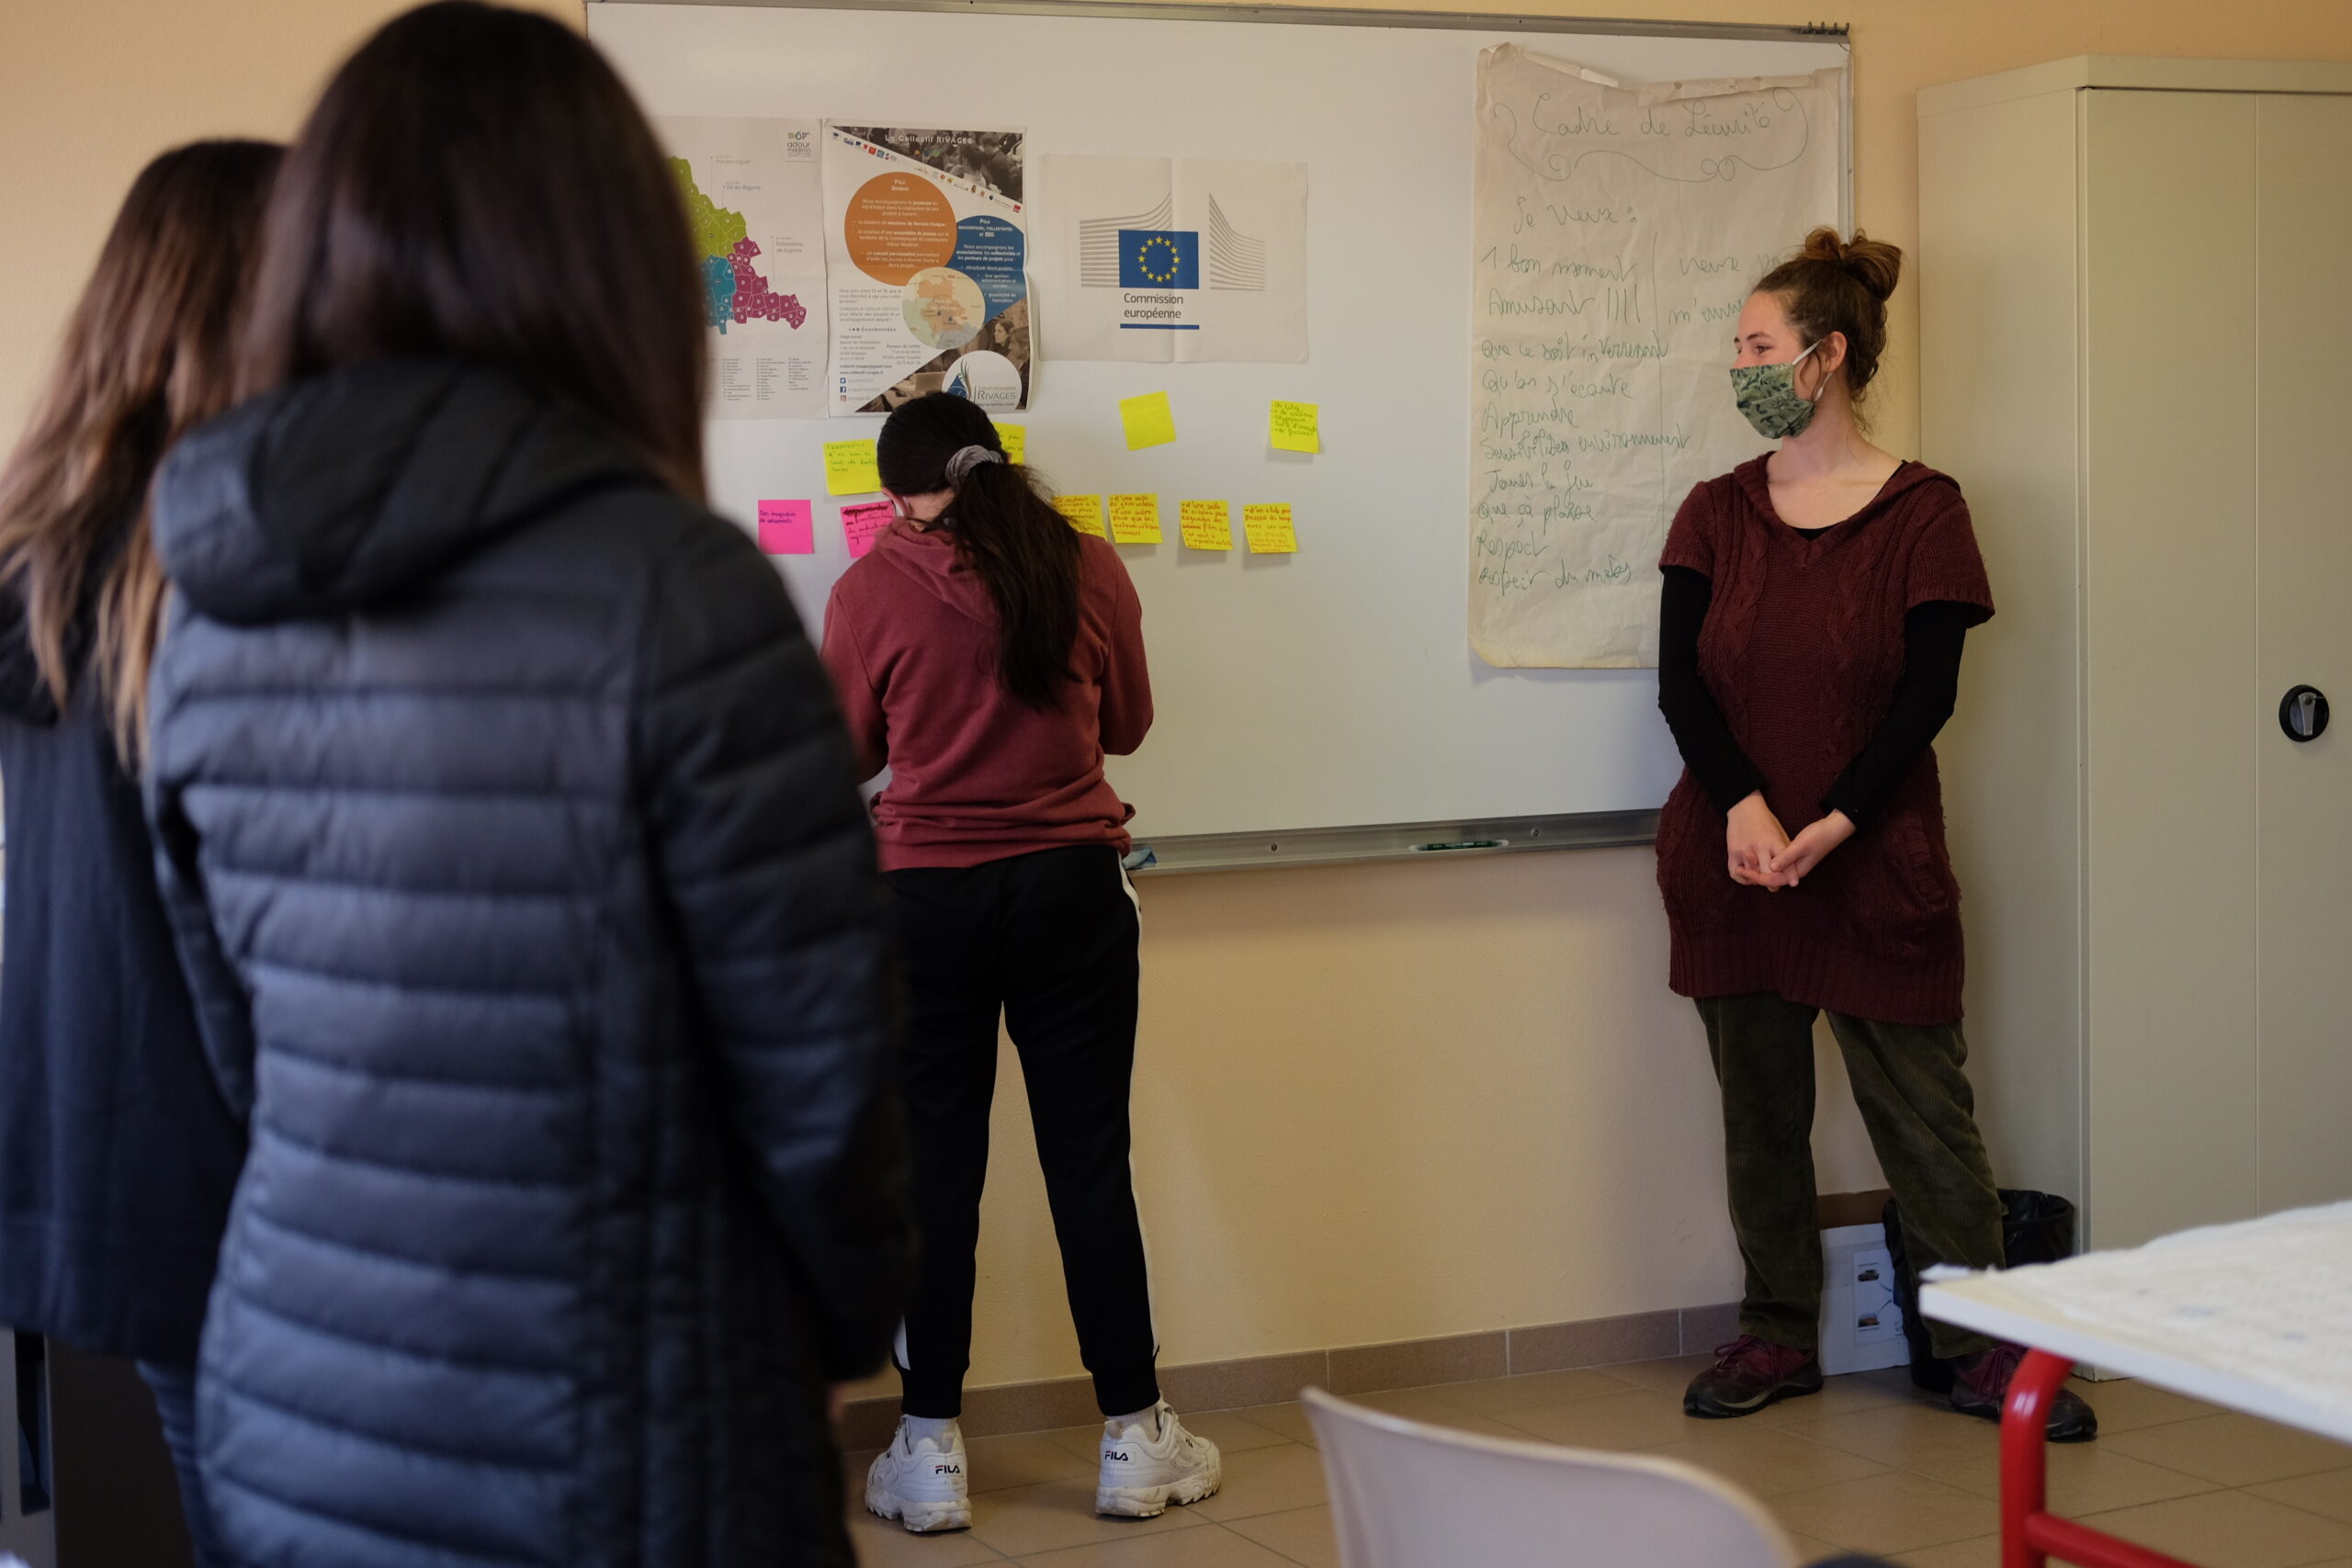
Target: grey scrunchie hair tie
[(966, 458)]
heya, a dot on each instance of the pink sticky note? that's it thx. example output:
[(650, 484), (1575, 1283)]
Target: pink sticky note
[(788, 528), (863, 524)]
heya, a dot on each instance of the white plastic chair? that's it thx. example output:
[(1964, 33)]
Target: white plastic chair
[(1407, 1494)]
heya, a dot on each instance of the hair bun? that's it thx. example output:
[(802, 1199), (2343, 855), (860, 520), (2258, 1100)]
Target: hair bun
[(1836, 285), (1873, 264)]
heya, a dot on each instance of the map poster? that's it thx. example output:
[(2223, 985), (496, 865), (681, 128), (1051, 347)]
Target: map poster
[(1182, 261), (927, 253), (1618, 230), (757, 213)]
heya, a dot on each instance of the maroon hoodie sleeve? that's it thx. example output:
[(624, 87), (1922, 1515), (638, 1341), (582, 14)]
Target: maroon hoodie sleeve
[(1124, 715), (861, 703)]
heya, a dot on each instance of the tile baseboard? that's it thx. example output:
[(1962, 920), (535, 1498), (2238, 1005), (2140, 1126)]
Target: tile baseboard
[(1350, 1369)]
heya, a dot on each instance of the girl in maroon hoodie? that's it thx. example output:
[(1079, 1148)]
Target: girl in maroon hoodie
[(989, 656)]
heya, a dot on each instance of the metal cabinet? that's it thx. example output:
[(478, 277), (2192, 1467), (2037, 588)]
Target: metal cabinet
[(2136, 357)]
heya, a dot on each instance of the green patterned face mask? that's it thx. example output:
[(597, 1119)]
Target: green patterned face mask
[(1767, 394)]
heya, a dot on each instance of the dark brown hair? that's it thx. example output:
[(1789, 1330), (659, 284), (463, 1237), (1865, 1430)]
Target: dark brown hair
[(1833, 285), (477, 184), (148, 353), (1025, 553)]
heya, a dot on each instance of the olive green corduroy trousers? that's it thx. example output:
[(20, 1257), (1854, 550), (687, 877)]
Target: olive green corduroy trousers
[(1922, 1120)]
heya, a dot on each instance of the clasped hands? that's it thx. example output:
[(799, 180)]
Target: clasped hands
[(1763, 855)]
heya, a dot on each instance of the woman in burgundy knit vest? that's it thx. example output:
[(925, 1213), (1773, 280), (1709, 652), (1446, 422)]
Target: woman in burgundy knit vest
[(1814, 605)]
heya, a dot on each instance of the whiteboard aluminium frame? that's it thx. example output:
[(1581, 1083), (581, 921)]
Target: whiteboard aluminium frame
[(1397, 840), (1365, 16)]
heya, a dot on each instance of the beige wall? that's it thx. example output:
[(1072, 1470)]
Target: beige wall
[(1374, 1102), (91, 89)]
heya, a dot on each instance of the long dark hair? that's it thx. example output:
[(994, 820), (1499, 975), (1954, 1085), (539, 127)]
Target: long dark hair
[(1023, 551), (477, 184), (147, 354)]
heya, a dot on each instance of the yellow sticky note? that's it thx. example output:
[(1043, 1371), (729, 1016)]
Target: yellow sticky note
[(1084, 511), (1269, 528), (849, 468), (1148, 419), (1015, 440), (1135, 519), (1205, 524), (1294, 427)]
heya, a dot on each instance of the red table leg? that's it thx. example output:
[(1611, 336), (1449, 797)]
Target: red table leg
[(2029, 1533), (2024, 1475)]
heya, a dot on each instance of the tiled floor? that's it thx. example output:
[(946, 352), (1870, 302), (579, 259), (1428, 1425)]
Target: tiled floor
[(1863, 1466)]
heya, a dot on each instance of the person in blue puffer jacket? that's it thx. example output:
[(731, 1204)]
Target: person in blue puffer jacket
[(511, 841)]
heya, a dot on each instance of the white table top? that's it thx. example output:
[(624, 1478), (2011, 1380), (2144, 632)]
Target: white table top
[(2254, 1317)]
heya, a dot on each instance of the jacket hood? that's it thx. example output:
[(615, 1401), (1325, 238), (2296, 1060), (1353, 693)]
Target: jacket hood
[(355, 487), (929, 557)]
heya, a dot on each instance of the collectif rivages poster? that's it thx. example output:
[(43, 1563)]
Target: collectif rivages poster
[(756, 211), (1178, 260), (1618, 230), (926, 245)]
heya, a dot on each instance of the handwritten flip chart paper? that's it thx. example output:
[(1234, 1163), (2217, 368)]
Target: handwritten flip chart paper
[(1269, 529), (1294, 427), (1616, 236), (1135, 519), (788, 528), (862, 525), (1204, 524), (1015, 440), (1149, 420), (1084, 511), (849, 468)]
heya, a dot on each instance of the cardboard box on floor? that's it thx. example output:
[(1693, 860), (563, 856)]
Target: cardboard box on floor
[(1862, 1325)]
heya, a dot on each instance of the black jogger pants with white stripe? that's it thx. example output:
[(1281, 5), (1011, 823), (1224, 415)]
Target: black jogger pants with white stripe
[(1047, 939)]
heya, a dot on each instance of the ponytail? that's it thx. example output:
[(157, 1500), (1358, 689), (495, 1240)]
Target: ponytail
[(1026, 554)]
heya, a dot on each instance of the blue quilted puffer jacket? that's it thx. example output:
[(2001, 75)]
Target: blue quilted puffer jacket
[(508, 828)]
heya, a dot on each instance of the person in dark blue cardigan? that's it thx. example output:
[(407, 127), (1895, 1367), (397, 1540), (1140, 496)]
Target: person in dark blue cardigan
[(511, 836), (117, 1151)]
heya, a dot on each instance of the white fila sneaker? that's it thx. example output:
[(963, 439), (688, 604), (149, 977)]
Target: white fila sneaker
[(1143, 1471), (922, 1484)]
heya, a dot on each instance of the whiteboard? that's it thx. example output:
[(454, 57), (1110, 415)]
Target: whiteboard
[(1331, 689)]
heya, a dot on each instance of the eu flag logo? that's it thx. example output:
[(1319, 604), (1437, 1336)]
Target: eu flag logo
[(1159, 258)]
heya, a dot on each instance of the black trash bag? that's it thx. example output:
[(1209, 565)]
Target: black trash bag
[(2036, 1227)]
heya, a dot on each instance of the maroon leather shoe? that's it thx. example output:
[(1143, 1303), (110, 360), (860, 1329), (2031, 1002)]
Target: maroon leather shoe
[(1980, 1383), (1748, 1374)]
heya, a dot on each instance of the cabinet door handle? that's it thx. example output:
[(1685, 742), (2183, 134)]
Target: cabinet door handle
[(2302, 714)]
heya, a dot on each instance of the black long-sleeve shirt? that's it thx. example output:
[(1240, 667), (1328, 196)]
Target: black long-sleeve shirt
[(1932, 637)]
